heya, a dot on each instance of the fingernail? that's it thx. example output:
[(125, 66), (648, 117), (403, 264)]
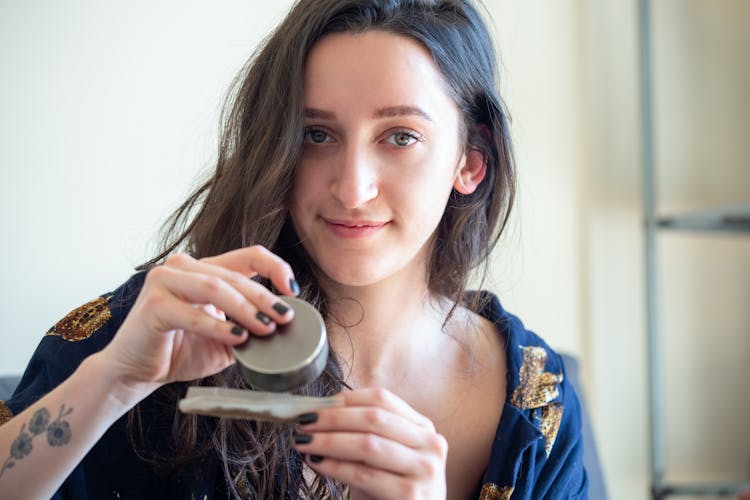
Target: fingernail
[(307, 418), (316, 459), (237, 330), (302, 438), (263, 318), (294, 286), (280, 308)]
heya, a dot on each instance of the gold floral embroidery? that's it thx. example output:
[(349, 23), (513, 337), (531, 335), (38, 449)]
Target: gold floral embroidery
[(550, 423), (5, 413), (83, 321), (491, 491), (537, 387), (243, 486)]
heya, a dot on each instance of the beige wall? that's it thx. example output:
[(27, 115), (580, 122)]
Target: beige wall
[(703, 72), (108, 112), (574, 269), (577, 268)]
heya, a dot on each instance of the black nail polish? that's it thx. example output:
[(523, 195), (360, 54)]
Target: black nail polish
[(302, 438), (316, 459), (294, 286), (307, 418), (280, 308), (237, 330), (262, 318)]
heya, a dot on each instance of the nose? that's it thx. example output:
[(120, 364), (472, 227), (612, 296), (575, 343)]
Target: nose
[(356, 180)]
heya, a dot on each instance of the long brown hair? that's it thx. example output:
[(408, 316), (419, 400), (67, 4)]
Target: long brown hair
[(245, 203)]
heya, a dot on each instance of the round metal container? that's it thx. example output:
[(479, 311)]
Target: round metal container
[(294, 355)]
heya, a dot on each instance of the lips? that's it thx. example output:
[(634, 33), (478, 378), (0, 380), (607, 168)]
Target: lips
[(346, 228)]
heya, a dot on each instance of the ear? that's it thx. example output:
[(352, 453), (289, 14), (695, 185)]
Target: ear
[(472, 171)]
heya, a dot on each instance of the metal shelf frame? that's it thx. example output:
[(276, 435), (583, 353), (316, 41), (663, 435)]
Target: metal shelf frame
[(732, 219), (729, 219)]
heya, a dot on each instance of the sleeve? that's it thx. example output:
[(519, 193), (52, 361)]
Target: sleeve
[(562, 474), (84, 331), (538, 449)]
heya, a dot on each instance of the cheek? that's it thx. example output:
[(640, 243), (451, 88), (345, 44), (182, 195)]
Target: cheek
[(429, 180), (297, 204), (304, 186), (419, 201)]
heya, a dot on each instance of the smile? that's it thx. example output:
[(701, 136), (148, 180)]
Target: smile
[(354, 229)]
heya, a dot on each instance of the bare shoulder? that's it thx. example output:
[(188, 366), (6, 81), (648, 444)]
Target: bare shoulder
[(483, 344), (478, 396), (480, 363)]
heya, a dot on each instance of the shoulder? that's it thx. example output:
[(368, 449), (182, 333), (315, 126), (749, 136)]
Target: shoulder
[(91, 326), (83, 331), (533, 366), (535, 372), (542, 414), (97, 316)]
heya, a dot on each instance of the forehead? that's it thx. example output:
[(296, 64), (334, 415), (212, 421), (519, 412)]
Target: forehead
[(374, 67)]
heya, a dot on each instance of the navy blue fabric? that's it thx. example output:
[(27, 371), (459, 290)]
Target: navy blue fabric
[(519, 459)]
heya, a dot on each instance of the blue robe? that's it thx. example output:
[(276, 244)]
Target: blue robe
[(537, 452)]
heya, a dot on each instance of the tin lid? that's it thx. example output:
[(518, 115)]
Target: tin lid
[(294, 355)]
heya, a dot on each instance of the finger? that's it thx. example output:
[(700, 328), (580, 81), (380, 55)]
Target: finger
[(376, 482), (257, 259), (171, 313), (214, 311), (266, 302), (371, 420), (372, 450), (385, 399), (199, 288)]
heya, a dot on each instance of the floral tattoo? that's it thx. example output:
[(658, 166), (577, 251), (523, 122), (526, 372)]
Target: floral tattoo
[(58, 434)]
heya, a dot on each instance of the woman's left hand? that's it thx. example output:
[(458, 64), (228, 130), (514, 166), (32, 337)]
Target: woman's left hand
[(378, 445)]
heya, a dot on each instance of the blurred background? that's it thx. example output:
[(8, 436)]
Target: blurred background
[(109, 112)]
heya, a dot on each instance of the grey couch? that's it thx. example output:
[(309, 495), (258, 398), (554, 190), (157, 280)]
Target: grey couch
[(7, 385)]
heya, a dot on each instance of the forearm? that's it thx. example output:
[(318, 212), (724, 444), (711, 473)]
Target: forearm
[(55, 433)]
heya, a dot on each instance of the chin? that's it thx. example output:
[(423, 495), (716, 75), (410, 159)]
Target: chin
[(353, 278), (354, 272)]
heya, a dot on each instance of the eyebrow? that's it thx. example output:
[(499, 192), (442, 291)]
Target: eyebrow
[(387, 112), (402, 111)]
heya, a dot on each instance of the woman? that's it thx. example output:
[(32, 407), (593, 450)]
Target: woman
[(366, 166)]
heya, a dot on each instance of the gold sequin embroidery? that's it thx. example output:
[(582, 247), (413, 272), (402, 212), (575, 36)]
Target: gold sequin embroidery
[(491, 491), (550, 423), (5, 413), (537, 387), (83, 321), (243, 485)]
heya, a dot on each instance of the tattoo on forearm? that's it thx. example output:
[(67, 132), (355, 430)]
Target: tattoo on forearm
[(58, 434)]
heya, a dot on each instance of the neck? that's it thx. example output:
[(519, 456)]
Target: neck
[(380, 332)]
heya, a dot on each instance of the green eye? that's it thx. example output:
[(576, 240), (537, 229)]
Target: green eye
[(403, 139)]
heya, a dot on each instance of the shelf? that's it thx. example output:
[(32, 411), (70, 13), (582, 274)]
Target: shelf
[(729, 219), (698, 490), (733, 220)]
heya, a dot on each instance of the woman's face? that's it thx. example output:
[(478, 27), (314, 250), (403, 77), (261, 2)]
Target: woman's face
[(381, 155)]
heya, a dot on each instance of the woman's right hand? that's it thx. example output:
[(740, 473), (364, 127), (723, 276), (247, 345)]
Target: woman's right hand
[(177, 329)]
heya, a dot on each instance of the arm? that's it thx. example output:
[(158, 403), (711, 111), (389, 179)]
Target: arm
[(164, 338), (56, 432)]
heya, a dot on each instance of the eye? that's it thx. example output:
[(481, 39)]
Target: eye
[(403, 138), (316, 135)]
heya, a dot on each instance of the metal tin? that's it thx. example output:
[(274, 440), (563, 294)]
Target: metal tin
[(289, 358)]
